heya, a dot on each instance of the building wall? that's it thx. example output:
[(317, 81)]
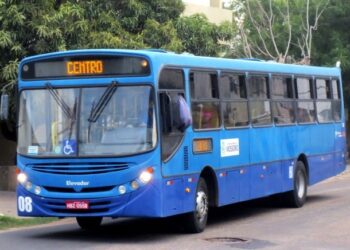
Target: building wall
[(7, 163), (212, 9)]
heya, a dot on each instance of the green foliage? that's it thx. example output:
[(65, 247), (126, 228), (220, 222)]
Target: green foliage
[(34, 27), (200, 37), (7, 222), (164, 36)]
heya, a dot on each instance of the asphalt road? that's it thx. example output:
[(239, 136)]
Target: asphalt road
[(323, 223)]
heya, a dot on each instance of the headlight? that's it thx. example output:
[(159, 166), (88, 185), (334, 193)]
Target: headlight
[(122, 189), (146, 176), (37, 190), (22, 178), (28, 185)]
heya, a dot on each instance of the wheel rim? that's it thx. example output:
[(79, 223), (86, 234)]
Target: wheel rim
[(201, 206), (300, 184)]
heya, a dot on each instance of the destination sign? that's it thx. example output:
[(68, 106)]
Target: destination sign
[(85, 66)]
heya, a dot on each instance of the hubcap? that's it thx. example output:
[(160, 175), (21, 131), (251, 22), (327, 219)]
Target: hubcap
[(300, 184), (201, 205)]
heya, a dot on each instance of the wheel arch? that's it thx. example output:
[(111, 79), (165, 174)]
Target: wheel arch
[(208, 174), (303, 158)]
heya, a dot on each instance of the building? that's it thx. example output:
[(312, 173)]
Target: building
[(217, 11)]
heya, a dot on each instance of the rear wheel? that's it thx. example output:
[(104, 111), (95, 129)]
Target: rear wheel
[(89, 223), (297, 196), (197, 220)]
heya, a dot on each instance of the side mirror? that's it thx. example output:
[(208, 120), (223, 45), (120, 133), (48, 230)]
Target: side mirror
[(4, 107)]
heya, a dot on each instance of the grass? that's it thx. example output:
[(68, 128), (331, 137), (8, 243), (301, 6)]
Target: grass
[(7, 222)]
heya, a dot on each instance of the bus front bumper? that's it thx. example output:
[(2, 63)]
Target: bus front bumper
[(139, 203)]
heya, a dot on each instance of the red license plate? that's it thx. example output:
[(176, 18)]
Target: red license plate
[(77, 204)]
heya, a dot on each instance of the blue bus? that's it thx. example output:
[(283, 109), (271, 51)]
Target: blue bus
[(141, 133)]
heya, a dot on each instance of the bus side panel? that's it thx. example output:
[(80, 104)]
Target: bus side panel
[(321, 168), (340, 148), (266, 179), (321, 158), (287, 168), (229, 187)]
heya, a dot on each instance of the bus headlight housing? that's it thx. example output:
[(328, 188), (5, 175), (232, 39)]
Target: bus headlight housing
[(22, 178), (147, 175)]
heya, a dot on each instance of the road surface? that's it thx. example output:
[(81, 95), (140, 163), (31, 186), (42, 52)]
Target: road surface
[(323, 223)]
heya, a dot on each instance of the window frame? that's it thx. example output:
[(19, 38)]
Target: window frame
[(216, 101), (328, 99), (292, 100), (234, 100), (267, 99), (339, 98), (311, 100)]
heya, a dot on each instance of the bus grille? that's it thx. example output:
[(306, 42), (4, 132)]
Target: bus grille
[(79, 169), (83, 190)]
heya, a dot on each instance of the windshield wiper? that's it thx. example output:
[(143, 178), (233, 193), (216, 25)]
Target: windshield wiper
[(97, 109), (61, 103)]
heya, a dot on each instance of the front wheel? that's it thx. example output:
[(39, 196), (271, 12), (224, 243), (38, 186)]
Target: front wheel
[(297, 197), (89, 223), (197, 220)]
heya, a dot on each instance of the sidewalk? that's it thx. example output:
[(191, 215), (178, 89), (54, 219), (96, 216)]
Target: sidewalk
[(8, 204)]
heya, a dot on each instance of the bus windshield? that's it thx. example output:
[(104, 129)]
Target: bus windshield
[(58, 122)]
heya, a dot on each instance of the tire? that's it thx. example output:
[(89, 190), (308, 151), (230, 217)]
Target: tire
[(89, 223), (297, 197), (196, 221)]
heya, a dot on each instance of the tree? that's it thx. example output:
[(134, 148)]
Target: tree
[(33, 27), (41, 26), (201, 37), (278, 30)]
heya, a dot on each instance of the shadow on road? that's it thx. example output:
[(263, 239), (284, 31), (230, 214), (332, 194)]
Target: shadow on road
[(148, 230)]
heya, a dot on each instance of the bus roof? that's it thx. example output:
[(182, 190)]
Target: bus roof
[(161, 58)]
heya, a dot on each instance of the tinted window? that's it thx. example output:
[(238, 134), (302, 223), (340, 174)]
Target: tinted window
[(283, 112), (306, 112), (304, 88), (204, 85), (205, 100), (171, 79), (281, 87), (324, 111), (258, 87), (260, 112), (335, 88), (235, 114), (323, 89), (232, 86)]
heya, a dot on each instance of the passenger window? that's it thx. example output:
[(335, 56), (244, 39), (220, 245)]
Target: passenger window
[(336, 103), (323, 103), (335, 89), (205, 100), (232, 86), (282, 104), (171, 79), (204, 85), (233, 93), (281, 87), (304, 88), (258, 86), (260, 110), (323, 89), (306, 112)]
